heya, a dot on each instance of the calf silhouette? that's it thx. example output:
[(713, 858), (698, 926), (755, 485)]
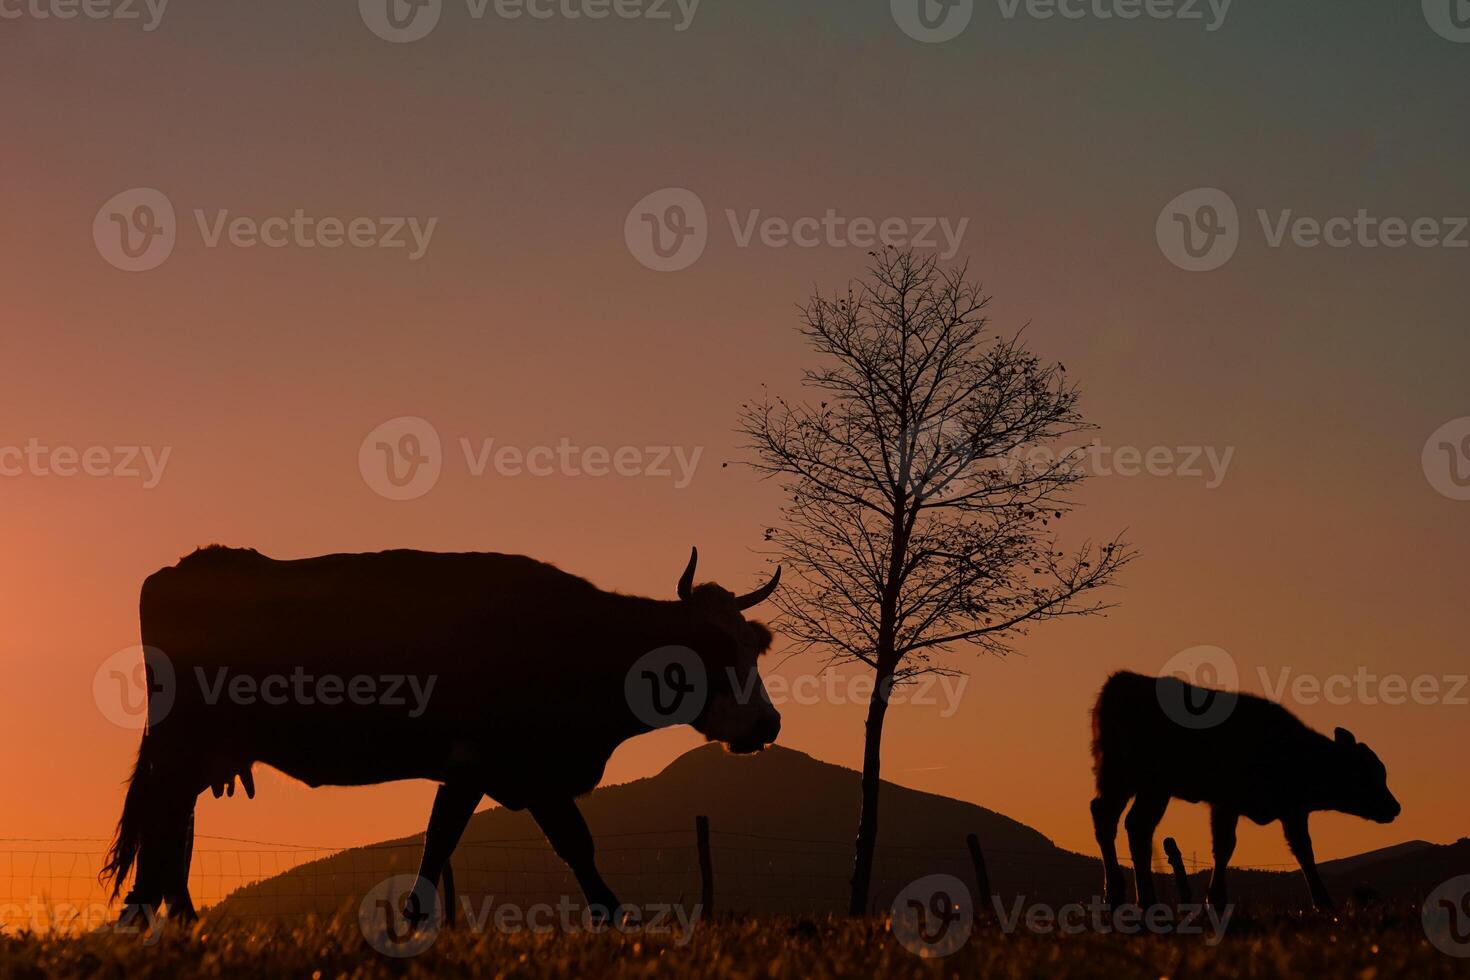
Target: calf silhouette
[(1160, 738)]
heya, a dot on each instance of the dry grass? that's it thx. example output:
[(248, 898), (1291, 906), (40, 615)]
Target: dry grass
[(1362, 946)]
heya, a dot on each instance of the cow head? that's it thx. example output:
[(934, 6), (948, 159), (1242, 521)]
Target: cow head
[(1359, 780), (738, 711)]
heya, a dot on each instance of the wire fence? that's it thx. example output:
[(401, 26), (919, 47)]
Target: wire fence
[(51, 883)]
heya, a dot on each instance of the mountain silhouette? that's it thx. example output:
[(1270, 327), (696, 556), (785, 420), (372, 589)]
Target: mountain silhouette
[(781, 826)]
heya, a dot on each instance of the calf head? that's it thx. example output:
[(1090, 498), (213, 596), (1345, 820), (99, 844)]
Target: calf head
[(1357, 782), (738, 711)]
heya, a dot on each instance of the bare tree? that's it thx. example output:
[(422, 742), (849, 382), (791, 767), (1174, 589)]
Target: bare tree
[(923, 490)]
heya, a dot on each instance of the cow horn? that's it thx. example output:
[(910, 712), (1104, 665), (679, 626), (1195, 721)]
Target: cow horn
[(686, 581), (761, 594)]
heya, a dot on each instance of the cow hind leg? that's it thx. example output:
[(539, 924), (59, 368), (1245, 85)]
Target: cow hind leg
[(1106, 811), (564, 827), (1142, 820), (164, 856)]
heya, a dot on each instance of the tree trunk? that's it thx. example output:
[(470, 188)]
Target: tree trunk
[(867, 835)]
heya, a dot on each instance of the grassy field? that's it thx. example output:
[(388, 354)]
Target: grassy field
[(1362, 946)]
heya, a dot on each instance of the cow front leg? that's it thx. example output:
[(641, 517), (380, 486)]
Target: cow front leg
[(567, 832), (454, 804), (1222, 843), (1300, 842), (1143, 818)]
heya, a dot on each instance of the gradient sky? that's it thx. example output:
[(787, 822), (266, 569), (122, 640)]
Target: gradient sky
[(1324, 550)]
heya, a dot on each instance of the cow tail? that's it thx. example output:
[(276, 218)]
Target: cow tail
[(122, 855)]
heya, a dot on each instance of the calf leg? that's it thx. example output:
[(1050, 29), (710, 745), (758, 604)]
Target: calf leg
[(1105, 814), (454, 804), (1300, 842), (1142, 820), (1222, 842), (564, 827)]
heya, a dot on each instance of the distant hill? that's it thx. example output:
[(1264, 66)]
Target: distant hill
[(1344, 866), (781, 827)]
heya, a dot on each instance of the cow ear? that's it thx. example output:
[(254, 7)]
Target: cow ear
[(1345, 738)]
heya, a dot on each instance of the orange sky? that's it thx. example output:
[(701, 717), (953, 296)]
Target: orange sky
[(1325, 548)]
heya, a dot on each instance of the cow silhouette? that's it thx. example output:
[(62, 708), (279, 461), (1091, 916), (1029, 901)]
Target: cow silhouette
[(1241, 754), (522, 673)]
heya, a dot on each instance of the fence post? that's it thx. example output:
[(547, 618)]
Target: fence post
[(449, 902), (1181, 879), (982, 874), (706, 868)]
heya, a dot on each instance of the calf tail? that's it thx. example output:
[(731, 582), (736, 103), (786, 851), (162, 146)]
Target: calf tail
[(123, 853), (1109, 712)]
